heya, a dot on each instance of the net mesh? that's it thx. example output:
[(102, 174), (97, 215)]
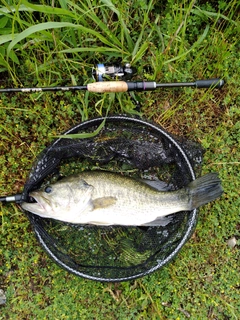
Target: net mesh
[(135, 148)]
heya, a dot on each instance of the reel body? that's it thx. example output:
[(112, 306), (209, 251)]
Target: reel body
[(115, 71)]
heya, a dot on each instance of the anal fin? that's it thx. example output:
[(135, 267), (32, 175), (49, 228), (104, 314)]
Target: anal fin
[(159, 221)]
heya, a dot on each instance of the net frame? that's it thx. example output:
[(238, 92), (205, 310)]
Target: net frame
[(192, 216)]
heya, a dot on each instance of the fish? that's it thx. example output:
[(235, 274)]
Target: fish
[(105, 199)]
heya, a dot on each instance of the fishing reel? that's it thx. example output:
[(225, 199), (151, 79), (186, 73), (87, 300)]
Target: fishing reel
[(116, 71)]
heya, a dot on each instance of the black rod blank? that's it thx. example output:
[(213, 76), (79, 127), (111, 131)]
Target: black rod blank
[(209, 83), (36, 89)]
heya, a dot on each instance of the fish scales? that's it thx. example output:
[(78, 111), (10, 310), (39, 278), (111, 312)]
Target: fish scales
[(133, 197)]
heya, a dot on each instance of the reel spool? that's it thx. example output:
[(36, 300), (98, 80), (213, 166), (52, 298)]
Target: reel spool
[(113, 71), (135, 148)]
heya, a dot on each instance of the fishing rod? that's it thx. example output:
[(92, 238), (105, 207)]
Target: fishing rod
[(123, 73), (121, 86)]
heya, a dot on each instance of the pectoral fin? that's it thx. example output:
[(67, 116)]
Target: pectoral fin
[(103, 202)]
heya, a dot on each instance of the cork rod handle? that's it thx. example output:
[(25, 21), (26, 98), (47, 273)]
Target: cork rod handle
[(108, 86)]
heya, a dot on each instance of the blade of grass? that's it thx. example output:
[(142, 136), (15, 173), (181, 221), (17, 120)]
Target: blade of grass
[(55, 25), (12, 9), (109, 4), (181, 26), (196, 44), (7, 37), (198, 11), (49, 9), (84, 135), (86, 49), (139, 52), (88, 11)]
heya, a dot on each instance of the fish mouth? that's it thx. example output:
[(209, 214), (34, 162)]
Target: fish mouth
[(31, 199), (34, 205), (36, 201)]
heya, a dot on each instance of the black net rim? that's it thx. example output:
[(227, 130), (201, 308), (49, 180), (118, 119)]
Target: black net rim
[(192, 216)]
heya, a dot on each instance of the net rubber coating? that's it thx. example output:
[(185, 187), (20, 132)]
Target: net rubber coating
[(131, 146)]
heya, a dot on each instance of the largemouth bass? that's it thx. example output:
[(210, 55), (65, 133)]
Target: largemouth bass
[(104, 198)]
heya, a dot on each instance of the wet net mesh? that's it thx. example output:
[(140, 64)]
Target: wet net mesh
[(135, 148)]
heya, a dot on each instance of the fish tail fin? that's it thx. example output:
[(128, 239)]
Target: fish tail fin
[(204, 189)]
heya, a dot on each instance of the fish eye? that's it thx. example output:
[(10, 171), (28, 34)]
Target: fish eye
[(48, 189)]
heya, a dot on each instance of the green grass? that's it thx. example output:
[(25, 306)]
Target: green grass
[(179, 41)]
